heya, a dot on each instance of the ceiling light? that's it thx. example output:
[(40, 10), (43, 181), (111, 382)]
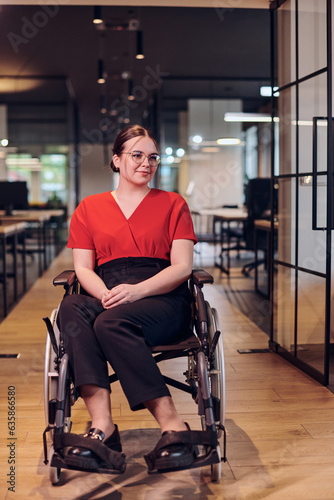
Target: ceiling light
[(309, 123), (266, 91), (168, 151), (139, 50), (100, 72), (170, 159), (4, 142), (20, 84), (228, 141), (248, 117), (197, 139), (131, 97), (126, 75), (97, 15), (103, 104), (180, 152), (28, 163)]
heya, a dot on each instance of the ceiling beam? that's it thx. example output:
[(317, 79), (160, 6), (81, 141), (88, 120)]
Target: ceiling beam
[(217, 4)]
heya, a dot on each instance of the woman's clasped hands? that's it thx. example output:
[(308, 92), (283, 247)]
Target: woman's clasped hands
[(120, 294)]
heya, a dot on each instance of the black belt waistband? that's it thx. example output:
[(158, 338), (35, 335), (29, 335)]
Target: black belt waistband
[(134, 262), (134, 270)]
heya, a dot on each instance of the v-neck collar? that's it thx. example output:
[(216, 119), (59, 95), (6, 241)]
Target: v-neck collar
[(135, 210)]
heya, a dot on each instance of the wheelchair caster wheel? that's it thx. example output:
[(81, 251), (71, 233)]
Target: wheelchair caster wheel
[(54, 472), (216, 469)]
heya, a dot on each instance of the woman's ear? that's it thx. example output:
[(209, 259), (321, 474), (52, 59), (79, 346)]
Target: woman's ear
[(115, 160)]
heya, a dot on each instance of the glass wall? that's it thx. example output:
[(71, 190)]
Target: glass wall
[(300, 298), (46, 176), (42, 138)]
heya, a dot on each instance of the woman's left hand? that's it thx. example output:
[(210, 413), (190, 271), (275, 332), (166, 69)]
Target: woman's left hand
[(120, 294)]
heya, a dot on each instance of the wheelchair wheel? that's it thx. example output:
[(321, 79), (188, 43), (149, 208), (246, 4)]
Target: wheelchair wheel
[(54, 472), (50, 373), (217, 384), (217, 371)]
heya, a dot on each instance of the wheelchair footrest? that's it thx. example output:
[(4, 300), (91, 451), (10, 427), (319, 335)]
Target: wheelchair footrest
[(62, 463), (208, 439), (209, 458), (107, 460)]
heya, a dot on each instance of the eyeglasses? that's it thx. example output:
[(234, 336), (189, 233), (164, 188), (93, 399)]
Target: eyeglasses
[(138, 157)]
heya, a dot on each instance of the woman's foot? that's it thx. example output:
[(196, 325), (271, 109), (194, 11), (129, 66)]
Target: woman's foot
[(174, 451), (174, 427), (86, 458), (107, 427), (113, 442)]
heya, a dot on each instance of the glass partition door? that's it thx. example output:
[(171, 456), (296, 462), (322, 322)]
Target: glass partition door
[(301, 294)]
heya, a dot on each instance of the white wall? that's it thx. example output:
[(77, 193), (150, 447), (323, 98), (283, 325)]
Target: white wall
[(95, 176), (217, 176)]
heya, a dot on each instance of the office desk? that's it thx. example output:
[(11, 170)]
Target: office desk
[(35, 219), (225, 216), (12, 230), (263, 225)]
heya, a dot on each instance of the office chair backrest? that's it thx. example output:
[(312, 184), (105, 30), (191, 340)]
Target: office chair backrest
[(258, 197), (258, 203)]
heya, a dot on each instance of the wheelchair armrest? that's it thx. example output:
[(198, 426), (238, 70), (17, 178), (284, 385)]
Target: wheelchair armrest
[(200, 277), (66, 278)]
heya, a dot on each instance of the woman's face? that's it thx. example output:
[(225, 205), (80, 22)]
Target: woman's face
[(130, 171)]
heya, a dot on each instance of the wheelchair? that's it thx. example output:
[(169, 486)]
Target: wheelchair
[(204, 380)]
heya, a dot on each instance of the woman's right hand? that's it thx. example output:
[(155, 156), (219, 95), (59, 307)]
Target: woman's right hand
[(121, 294)]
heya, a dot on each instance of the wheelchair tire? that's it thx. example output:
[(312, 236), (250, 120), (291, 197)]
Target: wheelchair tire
[(217, 372), (54, 472), (50, 383), (216, 469)]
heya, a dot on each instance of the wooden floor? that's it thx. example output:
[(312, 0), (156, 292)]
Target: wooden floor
[(280, 442)]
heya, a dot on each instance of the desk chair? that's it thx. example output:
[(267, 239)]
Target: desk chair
[(258, 203), (233, 234), (204, 230)]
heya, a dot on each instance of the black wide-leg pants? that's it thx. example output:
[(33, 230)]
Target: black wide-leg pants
[(122, 335)]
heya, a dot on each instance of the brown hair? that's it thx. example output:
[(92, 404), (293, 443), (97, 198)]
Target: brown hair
[(125, 135)]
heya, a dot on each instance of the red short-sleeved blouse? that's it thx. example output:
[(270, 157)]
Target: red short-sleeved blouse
[(99, 224)]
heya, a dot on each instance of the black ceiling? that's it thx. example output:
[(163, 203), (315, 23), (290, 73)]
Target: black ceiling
[(189, 53)]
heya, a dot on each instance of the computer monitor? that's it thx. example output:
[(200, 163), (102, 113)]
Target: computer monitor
[(13, 196)]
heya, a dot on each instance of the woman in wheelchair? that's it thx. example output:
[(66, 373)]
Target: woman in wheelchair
[(132, 253)]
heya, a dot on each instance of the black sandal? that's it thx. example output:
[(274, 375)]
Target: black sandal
[(174, 451), (86, 458), (178, 450)]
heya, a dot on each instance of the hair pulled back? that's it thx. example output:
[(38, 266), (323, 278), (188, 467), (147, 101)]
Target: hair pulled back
[(125, 135)]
